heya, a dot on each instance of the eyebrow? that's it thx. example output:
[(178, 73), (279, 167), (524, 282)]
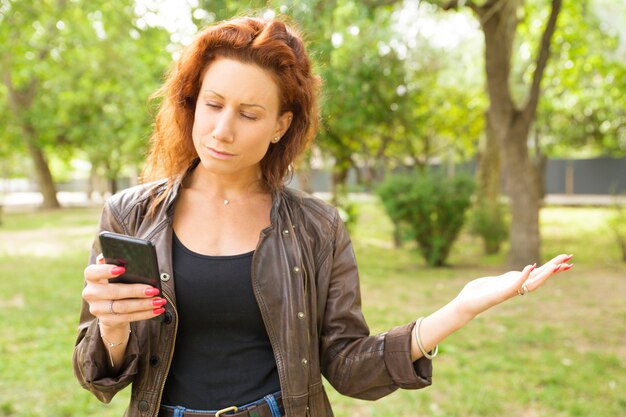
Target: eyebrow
[(241, 104)]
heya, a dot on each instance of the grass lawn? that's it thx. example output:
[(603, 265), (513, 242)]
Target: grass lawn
[(560, 351)]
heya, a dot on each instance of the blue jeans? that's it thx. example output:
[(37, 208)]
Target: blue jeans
[(270, 399)]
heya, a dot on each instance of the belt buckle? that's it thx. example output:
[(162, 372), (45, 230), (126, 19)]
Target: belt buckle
[(232, 408)]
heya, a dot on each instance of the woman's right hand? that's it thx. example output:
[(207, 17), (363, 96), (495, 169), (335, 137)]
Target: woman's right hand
[(114, 304)]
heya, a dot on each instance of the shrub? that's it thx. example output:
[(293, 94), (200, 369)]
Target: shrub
[(348, 210), (489, 221), (429, 208)]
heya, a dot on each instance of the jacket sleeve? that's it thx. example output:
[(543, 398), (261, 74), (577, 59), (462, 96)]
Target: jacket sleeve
[(90, 358), (355, 363)]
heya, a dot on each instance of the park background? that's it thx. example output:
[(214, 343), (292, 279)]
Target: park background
[(526, 97)]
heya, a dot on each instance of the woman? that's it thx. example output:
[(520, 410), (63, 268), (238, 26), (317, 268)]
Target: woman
[(260, 292)]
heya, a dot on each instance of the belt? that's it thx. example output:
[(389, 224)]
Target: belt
[(258, 409)]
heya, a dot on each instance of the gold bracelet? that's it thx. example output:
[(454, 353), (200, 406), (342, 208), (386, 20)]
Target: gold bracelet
[(111, 345), (427, 355)]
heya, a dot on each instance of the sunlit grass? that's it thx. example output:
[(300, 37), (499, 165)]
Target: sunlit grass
[(557, 352)]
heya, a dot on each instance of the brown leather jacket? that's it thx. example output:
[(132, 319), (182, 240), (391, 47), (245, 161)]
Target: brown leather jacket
[(305, 280)]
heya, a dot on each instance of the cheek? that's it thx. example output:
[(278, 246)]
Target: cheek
[(199, 125)]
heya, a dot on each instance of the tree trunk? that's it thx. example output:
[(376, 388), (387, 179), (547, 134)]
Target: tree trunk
[(522, 191), (540, 162), (42, 171), (19, 103), (511, 125), (340, 179), (488, 171)]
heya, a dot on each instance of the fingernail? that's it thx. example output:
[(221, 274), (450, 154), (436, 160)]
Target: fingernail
[(534, 266), (151, 292), (159, 302), (568, 258), (557, 267), (158, 311), (118, 270), (567, 267)]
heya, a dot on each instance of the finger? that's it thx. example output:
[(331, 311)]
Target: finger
[(524, 276), (128, 307), (547, 271), (560, 259), (101, 272), (563, 267), (105, 291), (100, 259)]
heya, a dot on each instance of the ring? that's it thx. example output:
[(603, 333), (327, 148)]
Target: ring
[(111, 307), (523, 290)]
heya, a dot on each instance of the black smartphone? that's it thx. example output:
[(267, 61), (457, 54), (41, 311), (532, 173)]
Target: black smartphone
[(137, 255)]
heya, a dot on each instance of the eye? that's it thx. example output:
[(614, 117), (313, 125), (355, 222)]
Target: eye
[(213, 105), (248, 116)]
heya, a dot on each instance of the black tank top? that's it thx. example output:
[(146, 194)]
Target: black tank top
[(222, 355)]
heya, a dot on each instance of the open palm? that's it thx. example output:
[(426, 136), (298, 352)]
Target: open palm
[(483, 293)]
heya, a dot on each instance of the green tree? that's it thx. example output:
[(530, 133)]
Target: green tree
[(77, 75), (27, 44), (508, 123)]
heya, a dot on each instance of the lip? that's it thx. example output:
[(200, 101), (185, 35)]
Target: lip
[(219, 154)]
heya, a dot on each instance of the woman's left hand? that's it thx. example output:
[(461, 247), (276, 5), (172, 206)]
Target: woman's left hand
[(483, 293)]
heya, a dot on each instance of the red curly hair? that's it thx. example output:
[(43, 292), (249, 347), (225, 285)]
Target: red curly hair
[(271, 45)]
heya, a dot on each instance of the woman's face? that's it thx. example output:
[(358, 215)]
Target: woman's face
[(236, 118)]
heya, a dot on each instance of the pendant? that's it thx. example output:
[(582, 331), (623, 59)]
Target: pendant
[(226, 202)]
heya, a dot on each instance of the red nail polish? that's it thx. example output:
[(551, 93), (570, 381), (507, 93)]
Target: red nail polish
[(158, 311), (568, 258), (159, 302), (118, 270), (557, 268), (568, 267), (151, 292)]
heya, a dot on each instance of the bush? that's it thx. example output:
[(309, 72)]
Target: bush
[(348, 210), (490, 222), (429, 208)]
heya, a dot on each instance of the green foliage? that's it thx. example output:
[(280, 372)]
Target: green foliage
[(489, 220), (430, 207), (76, 77), (582, 111)]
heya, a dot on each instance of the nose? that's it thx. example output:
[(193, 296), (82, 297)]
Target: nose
[(224, 129)]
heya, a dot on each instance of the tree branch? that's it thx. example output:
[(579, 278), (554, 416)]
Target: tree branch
[(455, 4), (542, 60)]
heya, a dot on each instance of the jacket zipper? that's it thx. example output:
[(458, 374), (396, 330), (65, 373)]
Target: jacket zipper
[(169, 361)]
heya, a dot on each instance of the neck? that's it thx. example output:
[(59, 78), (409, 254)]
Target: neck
[(225, 187)]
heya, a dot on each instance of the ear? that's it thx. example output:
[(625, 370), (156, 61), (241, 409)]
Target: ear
[(282, 124)]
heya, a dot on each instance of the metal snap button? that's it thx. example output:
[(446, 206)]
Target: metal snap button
[(300, 315), (296, 269), (285, 232), (167, 317), (165, 277), (143, 405), (304, 361)]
